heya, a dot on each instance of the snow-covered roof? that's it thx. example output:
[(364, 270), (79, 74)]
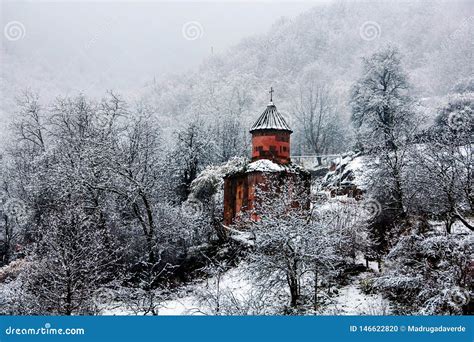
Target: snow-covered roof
[(351, 169), (270, 119), (266, 165)]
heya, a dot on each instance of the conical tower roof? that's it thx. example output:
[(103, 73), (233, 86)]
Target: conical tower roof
[(271, 119)]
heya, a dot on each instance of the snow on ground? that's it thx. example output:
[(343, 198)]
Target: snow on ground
[(350, 170), (361, 173), (180, 306), (349, 301), (187, 301), (12, 269), (243, 237), (352, 301)]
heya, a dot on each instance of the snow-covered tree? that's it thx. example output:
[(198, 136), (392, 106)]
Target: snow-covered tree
[(73, 260), (383, 114), (428, 274), (192, 151), (289, 243), (208, 188), (443, 162)]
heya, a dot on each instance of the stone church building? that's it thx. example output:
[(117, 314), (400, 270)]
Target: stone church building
[(271, 162)]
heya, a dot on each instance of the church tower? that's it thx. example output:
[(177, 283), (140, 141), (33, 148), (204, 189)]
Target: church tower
[(270, 162), (271, 136)]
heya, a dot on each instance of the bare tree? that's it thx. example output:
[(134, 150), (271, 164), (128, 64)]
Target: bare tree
[(73, 261), (318, 113), (29, 124), (290, 242), (445, 163)]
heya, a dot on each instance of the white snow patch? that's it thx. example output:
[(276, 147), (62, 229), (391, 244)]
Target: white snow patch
[(352, 301), (243, 237), (180, 306), (234, 280), (265, 165)]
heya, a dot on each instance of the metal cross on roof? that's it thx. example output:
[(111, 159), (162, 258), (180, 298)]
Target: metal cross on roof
[(271, 94)]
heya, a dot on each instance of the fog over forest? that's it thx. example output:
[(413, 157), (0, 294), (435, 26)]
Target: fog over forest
[(90, 48)]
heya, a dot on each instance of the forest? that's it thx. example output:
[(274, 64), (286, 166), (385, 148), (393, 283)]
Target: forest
[(113, 204)]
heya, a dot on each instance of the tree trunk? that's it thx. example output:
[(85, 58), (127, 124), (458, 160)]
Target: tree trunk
[(292, 279), (68, 308), (315, 304), (449, 223), (398, 193), (8, 238), (294, 293)]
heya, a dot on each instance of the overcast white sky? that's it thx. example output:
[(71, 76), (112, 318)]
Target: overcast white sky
[(129, 41)]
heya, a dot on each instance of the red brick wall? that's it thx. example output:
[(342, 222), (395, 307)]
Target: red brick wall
[(273, 145), (239, 192)]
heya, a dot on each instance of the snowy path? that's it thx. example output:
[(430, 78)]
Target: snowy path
[(181, 306), (349, 301), (352, 301)]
